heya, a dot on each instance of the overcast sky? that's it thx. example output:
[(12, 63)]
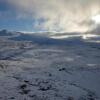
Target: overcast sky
[(50, 15)]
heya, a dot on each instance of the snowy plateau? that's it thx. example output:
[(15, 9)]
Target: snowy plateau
[(37, 67)]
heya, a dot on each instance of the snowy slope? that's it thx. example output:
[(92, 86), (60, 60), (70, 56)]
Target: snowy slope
[(41, 68)]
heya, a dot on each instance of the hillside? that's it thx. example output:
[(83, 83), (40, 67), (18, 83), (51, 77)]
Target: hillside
[(36, 67)]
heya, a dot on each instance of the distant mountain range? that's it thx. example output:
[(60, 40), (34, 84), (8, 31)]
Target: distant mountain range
[(50, 38)]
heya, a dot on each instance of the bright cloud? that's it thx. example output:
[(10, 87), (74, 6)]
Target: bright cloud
[(59, 15)]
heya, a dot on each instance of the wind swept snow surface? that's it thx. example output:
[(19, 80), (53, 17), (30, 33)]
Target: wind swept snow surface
[(59, 70)]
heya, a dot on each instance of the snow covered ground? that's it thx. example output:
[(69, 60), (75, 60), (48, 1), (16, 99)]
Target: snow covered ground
[(40, 68)]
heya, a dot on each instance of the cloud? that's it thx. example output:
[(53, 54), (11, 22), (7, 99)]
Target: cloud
[(96, 30), (59, 15)]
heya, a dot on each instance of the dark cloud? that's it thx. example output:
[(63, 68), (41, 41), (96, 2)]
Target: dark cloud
[(96, 30)]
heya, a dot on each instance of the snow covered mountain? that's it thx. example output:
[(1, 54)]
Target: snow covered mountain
[(39, 67)]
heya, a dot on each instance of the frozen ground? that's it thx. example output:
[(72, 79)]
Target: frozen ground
[(39, 68)]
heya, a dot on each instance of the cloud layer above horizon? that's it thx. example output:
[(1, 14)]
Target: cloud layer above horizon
[(58, 15)]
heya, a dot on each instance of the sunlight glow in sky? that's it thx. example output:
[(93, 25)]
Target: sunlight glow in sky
[(96, 19)]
